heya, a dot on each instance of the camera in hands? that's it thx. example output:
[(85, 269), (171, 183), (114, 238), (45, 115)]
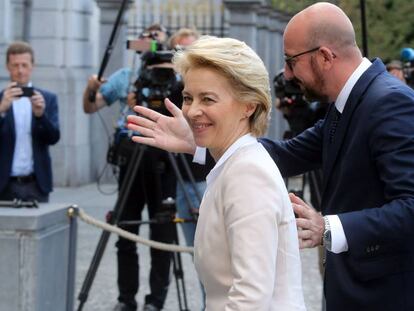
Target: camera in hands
[(27, 91)]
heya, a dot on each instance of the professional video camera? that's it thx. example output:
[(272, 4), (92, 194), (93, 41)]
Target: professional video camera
[(299, 113), (157, 79), (407, 57)]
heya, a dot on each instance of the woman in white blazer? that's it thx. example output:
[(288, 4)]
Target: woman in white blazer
[(246, 250)]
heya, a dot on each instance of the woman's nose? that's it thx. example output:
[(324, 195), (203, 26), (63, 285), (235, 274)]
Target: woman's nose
[(194, 109)]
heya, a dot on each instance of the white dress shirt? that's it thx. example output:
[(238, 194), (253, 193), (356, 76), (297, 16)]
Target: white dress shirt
[(339, 242), (23, 151), (246, 250)]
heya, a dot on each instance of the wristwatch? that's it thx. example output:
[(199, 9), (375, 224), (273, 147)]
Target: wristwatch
[(327, 237)]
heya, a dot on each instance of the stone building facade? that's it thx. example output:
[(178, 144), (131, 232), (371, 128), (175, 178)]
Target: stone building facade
[(70, 36)]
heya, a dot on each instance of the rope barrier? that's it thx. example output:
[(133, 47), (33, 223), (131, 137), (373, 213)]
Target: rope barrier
[(75, 211)]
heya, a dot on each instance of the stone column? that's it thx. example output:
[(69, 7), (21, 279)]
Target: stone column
[(254, 22), (277, 24), (243, 20), (6, 35), (62, 61)]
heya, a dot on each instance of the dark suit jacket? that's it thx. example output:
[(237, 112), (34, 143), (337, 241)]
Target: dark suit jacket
[(368, 173), (45, 132)]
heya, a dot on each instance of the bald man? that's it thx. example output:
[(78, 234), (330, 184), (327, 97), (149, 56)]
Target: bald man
[(365, 147)]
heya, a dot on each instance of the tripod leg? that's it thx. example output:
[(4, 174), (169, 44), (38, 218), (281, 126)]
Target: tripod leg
[(179, 276), (117, 212), (180, 180), (177, 263)]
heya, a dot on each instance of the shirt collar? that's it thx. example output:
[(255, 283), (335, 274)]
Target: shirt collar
[(239, 143), (350, 83)]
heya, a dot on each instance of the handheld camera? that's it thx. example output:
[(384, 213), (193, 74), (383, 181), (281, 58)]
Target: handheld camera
[(27, 91)]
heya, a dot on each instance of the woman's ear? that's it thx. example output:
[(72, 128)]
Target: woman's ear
[(250, 109)]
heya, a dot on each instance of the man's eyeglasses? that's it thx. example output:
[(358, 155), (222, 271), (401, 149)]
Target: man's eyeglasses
[(289, 59)]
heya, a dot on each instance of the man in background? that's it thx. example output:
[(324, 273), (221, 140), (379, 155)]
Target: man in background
[(365, 148), (153, 183), (29, 124), (395, 68)]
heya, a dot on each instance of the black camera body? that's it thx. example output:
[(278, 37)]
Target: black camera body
[(156, 81), (28, 91), (298, 112)]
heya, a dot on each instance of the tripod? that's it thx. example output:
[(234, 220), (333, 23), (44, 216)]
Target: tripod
[(167, 216), (125, 189)]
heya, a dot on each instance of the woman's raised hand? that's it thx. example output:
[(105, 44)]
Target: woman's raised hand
[(157, 130)]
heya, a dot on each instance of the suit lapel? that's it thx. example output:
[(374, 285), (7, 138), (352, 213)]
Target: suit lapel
[(331, 150)]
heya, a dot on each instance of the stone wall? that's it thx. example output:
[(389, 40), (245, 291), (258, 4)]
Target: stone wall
[(69, 39)]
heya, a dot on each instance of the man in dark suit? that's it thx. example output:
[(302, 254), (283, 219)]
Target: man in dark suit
[(28, 125), (365, 147)]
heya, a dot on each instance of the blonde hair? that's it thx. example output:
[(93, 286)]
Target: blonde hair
[(182, 33), (238, 63)]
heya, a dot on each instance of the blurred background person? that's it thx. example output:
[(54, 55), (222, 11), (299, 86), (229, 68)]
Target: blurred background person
[(154, 182), (395, 67), (29, 124)]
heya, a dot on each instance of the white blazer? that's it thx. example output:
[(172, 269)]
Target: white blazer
[(246, 247)]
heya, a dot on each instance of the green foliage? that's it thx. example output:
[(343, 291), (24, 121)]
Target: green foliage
[(390, 25)]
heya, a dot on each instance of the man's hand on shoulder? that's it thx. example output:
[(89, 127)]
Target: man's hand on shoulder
[(309, 222)]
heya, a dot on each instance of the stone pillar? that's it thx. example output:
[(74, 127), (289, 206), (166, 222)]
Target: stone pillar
[(277, 24), (255, 23), (63, 54), (34, 261), (6, 35), (243, 20), (263, 38)]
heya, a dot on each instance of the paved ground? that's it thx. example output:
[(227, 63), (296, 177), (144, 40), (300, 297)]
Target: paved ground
[(103, 292)]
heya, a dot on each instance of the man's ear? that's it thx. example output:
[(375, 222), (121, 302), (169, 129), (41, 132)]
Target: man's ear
[(327, 56)]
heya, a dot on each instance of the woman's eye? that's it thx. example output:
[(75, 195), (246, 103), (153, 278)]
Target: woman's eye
[(187, 99)]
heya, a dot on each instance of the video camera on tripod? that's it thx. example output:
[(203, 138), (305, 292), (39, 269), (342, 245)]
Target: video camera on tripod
[(407, 58), (299, 113), (156, 79)]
